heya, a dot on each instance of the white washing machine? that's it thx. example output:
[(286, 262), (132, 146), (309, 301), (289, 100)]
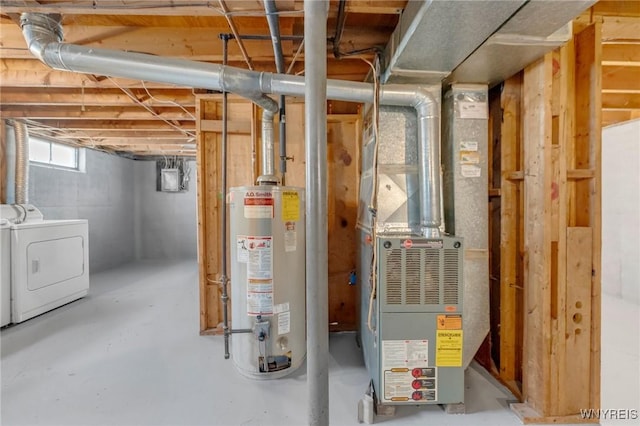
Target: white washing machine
[(5, 273), (49, 263)]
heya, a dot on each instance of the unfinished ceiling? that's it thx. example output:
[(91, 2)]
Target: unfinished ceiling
[(150, 118)]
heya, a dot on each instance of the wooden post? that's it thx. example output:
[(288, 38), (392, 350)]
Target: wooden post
[(588, 153), (509, 286), (537, 127)]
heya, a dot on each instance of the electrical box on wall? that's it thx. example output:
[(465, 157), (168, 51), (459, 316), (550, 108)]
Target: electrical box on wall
[(170, 180), (172, 175)]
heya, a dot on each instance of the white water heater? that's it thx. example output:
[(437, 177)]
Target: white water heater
[(267, 244)]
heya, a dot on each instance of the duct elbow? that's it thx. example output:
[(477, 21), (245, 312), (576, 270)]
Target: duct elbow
[(425, 103), (41, 31)]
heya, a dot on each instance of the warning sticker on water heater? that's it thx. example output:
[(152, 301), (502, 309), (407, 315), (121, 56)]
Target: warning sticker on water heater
[(284, 322), (260, 260), (258, 205), (290, 236), (290, 206), (242, 251), (259, 303)]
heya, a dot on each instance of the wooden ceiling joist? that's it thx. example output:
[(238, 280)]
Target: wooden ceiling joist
[(106, 126), (94, 97), (94, 113), (75, 103)]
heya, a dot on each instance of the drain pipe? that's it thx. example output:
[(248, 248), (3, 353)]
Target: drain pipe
[(274, 29), (22, 162), (315, 79)]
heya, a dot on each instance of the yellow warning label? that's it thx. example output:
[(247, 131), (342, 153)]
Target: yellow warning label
[(449, 348), (290, 206), (449, 322)]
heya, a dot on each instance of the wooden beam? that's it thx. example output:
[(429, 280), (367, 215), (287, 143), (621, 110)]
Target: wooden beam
[(537, 131), (393, 7), (621, 79), (623, 101), (33, 73), (152, 152), (174, 8), (514, 175), (617, 116), (510, 101), (107, 126), (95, 97), (145, 142), (589, 192), (93, 113), (627, 8), (581, 174), (629, 53), (235, 126), (620, 29)]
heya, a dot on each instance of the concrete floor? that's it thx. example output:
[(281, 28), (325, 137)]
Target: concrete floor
[(130, 354)]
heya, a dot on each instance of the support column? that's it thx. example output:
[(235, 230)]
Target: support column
[(315, 35)]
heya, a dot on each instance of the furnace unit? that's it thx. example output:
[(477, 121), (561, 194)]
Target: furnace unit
[(410, 271)]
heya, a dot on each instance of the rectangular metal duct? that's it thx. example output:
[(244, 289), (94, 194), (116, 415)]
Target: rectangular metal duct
[(475, 41), (434, 37), (537, 28)]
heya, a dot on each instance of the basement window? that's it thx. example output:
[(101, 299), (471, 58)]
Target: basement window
[(49, 153)]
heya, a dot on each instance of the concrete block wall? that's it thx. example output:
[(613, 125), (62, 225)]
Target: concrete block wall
[(621, 210), (165, 222), (104, 195)]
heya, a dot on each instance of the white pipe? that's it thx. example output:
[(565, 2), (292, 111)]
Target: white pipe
[(315, 64), (43, 34), (22, 162)]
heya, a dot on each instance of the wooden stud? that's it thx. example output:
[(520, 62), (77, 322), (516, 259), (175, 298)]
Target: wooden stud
[(537, 127), (589, 132), (510, 134)]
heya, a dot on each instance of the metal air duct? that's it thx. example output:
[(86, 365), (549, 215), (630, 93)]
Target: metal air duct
[(43, 34), (22, 162)]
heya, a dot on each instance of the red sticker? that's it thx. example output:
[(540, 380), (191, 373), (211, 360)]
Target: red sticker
[(407, 244)]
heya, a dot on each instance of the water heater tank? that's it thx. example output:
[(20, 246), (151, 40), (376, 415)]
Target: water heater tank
[(267, 242)]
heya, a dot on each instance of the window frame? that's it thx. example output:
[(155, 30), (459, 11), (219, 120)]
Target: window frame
[(79, 155)]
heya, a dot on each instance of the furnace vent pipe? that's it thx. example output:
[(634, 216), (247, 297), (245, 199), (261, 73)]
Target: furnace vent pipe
[(43, 34), (22, 162)]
